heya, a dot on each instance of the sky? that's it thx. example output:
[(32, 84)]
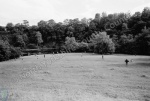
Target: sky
[(16, 11)]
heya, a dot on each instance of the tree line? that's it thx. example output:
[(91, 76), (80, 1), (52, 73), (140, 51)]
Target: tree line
[(106, 33)]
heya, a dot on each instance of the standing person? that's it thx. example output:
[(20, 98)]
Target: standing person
[(102, 56), (44, 55), (126, 61)]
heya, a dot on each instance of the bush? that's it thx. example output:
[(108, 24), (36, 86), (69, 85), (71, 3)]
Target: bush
[(102, 43), (71, 44), (15, 53), (19, 42), (32, 46), (4, 50), (83, 46), (7, 52)]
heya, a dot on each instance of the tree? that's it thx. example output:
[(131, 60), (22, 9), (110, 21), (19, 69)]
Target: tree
[(44, 29), (102, 43), (143, 42), (126, 44), (4, 50), (2, 28), (26, 23), (19, 41), (25, 38), (10, 27), (71, 44), (97, 17), (85, 21), (104, 14), (66, 22), (83, 46), (8, 52), (51, 22), (124, 26), (146, 14), (38, 38), (42, 24), (92, 26)]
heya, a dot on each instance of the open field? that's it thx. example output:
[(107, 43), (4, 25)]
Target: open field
[(75, 78)]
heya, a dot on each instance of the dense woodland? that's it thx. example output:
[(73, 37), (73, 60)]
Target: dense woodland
[(112, 33)]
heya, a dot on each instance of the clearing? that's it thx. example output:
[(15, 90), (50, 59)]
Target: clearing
[(73, 77)]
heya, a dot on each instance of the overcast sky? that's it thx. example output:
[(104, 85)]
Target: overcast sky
[(16, 11)]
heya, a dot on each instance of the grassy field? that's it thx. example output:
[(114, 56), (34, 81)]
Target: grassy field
[(76, 77)]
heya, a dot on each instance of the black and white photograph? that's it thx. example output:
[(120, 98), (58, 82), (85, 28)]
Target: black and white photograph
[(74, 50)]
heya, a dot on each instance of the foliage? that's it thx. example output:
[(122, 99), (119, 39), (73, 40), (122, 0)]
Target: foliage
[(19, 41), (102, 43), (15, 53), (32, 46), (8, 52), (38, 38), (143, 42), (25, 38), (128, 34), (83, 46), (71, 44), (126, 44), (4, 50)]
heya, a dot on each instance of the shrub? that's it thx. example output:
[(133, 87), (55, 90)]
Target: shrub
[(71, 44), (32, 46), (4, 50), (102, 43), (83, 46), (8, 52), (19, 41), (15, 53)]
